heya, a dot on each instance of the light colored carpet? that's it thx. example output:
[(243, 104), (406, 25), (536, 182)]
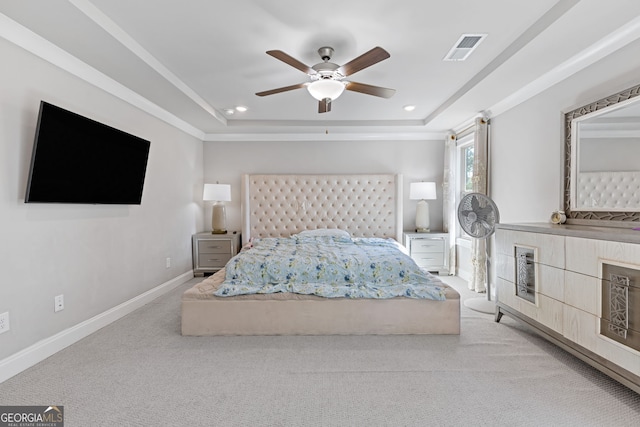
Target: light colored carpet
[(140, 371)]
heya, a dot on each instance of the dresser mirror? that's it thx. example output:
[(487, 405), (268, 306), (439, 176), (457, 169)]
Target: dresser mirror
[(602, 149)]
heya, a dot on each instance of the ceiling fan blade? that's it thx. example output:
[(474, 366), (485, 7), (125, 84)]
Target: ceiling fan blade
[(281, 89), (382, 92), (324, 106), (363, 61), (288, 59)]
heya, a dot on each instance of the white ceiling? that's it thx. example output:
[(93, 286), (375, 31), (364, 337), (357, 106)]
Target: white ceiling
[(188, 61)]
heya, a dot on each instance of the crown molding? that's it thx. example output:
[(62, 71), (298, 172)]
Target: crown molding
[(38, 46), (616, 40), (324, 136), (104, 22)]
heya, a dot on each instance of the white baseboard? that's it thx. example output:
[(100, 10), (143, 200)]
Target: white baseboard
[(463, 274), (39, 351)]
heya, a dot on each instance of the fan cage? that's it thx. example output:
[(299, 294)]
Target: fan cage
[(478, 215)]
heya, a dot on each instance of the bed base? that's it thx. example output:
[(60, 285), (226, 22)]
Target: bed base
[(324, 317)]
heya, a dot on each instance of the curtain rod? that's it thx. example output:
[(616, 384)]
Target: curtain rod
[(466, 130)]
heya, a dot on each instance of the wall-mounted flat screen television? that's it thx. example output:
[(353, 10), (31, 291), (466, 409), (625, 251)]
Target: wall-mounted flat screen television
[(79, 160)]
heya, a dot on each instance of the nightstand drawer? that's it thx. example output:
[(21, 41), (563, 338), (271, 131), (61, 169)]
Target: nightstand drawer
[(426, 260), (213, 260), (214, 246), (426, 245)]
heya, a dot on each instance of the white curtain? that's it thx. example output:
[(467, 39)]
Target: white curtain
[(480, 165), (449, 219)]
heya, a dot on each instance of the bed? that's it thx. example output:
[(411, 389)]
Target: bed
[(282, 208)]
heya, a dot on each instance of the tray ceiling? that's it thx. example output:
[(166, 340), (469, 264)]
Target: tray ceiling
[(194, 60)]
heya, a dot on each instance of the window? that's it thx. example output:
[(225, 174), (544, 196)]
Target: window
[(467, 168)]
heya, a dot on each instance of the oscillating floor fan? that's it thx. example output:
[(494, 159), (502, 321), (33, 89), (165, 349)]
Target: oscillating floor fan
[(478, 216)]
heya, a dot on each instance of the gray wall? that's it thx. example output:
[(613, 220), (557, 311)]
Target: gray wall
[(226, 162), (527, 141), (97, 256)]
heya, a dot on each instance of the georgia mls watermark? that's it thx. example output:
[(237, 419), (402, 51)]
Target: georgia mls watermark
[(31, 416)]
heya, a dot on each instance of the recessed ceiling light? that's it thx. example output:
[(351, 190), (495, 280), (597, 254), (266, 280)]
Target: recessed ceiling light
[(241, 108), (229, 111), (409, 107)]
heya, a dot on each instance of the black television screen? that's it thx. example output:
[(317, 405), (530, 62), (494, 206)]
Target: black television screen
[(78, 160)]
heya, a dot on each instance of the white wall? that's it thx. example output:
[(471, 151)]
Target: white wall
[(97, 256), (226, 162), (527, 143)]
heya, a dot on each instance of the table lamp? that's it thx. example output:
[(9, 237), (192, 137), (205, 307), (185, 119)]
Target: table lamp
[(218, 193), (422, 191)]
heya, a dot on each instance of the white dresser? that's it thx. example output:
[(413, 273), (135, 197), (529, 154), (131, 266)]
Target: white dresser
[(579, 287)]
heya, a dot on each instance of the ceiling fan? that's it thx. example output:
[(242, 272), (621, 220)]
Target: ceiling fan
[(327, 82)]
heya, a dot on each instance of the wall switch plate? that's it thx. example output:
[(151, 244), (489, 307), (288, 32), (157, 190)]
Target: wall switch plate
[(58, 303), (4, 322), (168, 263)]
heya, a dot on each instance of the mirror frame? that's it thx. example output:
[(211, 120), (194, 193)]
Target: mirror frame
[(616, 98)]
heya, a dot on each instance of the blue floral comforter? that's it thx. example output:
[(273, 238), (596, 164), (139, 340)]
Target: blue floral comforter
[(328, 266)]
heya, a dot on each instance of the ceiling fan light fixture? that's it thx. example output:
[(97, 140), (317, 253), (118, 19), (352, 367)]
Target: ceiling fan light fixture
[(326, 88)]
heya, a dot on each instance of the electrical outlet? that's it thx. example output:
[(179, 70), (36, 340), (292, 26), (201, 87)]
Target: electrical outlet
[(58, 303), (168, 263), (4, 322)]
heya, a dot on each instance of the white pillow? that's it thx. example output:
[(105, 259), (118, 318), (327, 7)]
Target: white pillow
[(321, 232)]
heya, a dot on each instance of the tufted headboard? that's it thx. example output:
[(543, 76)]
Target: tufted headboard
[(609, 191), (282, 205)]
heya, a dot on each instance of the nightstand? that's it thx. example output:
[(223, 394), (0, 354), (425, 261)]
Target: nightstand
[(212, 251), (429, 250)]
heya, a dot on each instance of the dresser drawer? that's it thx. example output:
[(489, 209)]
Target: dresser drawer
[(213, 260), (426, 246), (214, 246)]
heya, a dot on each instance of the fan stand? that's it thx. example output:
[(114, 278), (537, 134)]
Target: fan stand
[(483, 305), (470, 209)]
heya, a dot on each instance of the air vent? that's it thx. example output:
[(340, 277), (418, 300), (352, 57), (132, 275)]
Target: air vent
[(464, 46)]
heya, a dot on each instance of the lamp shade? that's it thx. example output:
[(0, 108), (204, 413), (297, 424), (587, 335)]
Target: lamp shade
[(217, 192), (326, 88), (422, 191)]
